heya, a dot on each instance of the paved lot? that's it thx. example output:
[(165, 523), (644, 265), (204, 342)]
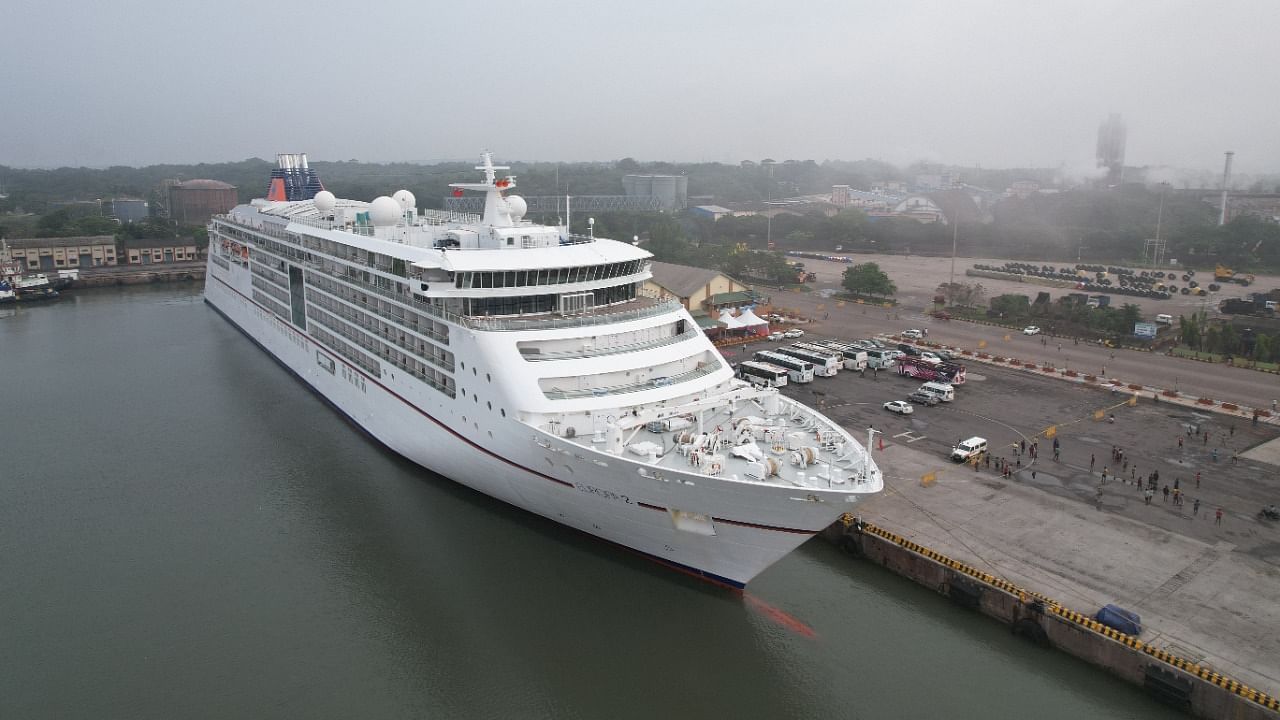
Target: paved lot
[(1205, 590), (1248, 388)]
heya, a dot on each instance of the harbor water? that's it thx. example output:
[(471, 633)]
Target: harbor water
[(186, 531)]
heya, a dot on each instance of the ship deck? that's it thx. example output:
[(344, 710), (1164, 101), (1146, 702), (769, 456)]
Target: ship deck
[(807, 450)]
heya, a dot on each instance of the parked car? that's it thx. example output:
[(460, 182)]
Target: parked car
[(1031, 330), (793, 333), (912, 333), (775, 336), (923, 398), (930, 356), (899, 406), (906, 349)]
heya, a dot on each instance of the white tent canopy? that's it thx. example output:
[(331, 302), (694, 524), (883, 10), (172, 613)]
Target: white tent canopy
[(729, 320), (750, 319)]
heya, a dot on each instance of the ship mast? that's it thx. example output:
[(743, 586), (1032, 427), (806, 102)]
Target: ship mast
[(496, 211)]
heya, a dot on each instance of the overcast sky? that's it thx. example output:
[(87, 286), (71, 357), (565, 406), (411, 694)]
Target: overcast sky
[(996, 84)]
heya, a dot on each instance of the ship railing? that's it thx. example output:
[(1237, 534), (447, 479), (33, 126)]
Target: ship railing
[(598, 316), (571, 239), (615, 350), (545, 322), (561, 394)]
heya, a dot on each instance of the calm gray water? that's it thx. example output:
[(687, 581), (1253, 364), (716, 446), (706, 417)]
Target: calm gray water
[(187, 532)]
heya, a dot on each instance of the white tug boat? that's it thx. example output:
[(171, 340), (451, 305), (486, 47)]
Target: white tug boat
[(519, 360)]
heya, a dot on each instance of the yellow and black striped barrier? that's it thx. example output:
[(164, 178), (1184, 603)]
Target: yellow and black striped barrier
[(1078, 619)]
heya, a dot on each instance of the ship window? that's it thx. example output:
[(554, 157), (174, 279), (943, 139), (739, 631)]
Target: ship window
[(503, 411), (511, 278), (511, 241)]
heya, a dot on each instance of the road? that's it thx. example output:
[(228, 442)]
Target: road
[(1248, 388)]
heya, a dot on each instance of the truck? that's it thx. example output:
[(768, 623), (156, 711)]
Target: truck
[(1099, 301), (1256, 304), (1224, 274)]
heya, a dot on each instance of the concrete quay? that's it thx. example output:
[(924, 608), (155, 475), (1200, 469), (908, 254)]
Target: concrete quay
[(140, 274), (1199, 600), (1205, 591)]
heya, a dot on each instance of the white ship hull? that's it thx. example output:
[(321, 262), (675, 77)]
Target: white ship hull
[(613, 497)]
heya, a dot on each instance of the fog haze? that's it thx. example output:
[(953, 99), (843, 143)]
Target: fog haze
[(998, 84)]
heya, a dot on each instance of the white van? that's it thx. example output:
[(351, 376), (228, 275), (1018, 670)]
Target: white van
[(1163, 319), (942, 391), (968, 449)]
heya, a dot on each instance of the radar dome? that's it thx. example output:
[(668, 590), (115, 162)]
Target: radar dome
[(406, 199), (517, 206), (325, 201), (384, 211)]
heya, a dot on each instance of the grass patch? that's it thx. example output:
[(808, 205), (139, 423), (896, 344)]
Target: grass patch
[(1186, 352)]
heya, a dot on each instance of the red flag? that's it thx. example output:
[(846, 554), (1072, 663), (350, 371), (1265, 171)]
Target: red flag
[(457, 192)]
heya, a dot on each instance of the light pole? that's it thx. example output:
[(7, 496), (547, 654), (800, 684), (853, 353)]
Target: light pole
[(951, 282)]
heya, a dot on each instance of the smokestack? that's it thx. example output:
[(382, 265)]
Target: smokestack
[(1226, 180)]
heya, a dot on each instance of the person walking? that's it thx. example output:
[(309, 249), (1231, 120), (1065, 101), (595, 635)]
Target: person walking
[(1179, 442), (1092, 460), (1104, 473), (1166, 493), (1217, 517), (1195, 506), (1215, 454), (1176, 483), (1148, 494)]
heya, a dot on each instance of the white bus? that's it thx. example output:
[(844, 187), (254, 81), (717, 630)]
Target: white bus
[(825, 362), (798, 371), (882, 358), (762, 373), (855, 358)]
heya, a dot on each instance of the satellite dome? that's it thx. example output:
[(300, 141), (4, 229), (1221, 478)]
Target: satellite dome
[(406, 199), (517, 206), (384, 211), (325, 201)]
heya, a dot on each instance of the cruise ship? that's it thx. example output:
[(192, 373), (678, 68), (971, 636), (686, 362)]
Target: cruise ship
[(523, 361)]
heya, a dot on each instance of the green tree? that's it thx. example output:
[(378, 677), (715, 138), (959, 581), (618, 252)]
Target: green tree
[(1262, 348), (868, 279), (1012, 307)]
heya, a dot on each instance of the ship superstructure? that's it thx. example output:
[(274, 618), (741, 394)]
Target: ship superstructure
[(520, 360)]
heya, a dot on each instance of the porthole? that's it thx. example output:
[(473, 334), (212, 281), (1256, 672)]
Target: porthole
[(503, 411), (489, 404), (464, 419), (473, 371), (464, 365), (475, 399), (464, 392), (488, 377)]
